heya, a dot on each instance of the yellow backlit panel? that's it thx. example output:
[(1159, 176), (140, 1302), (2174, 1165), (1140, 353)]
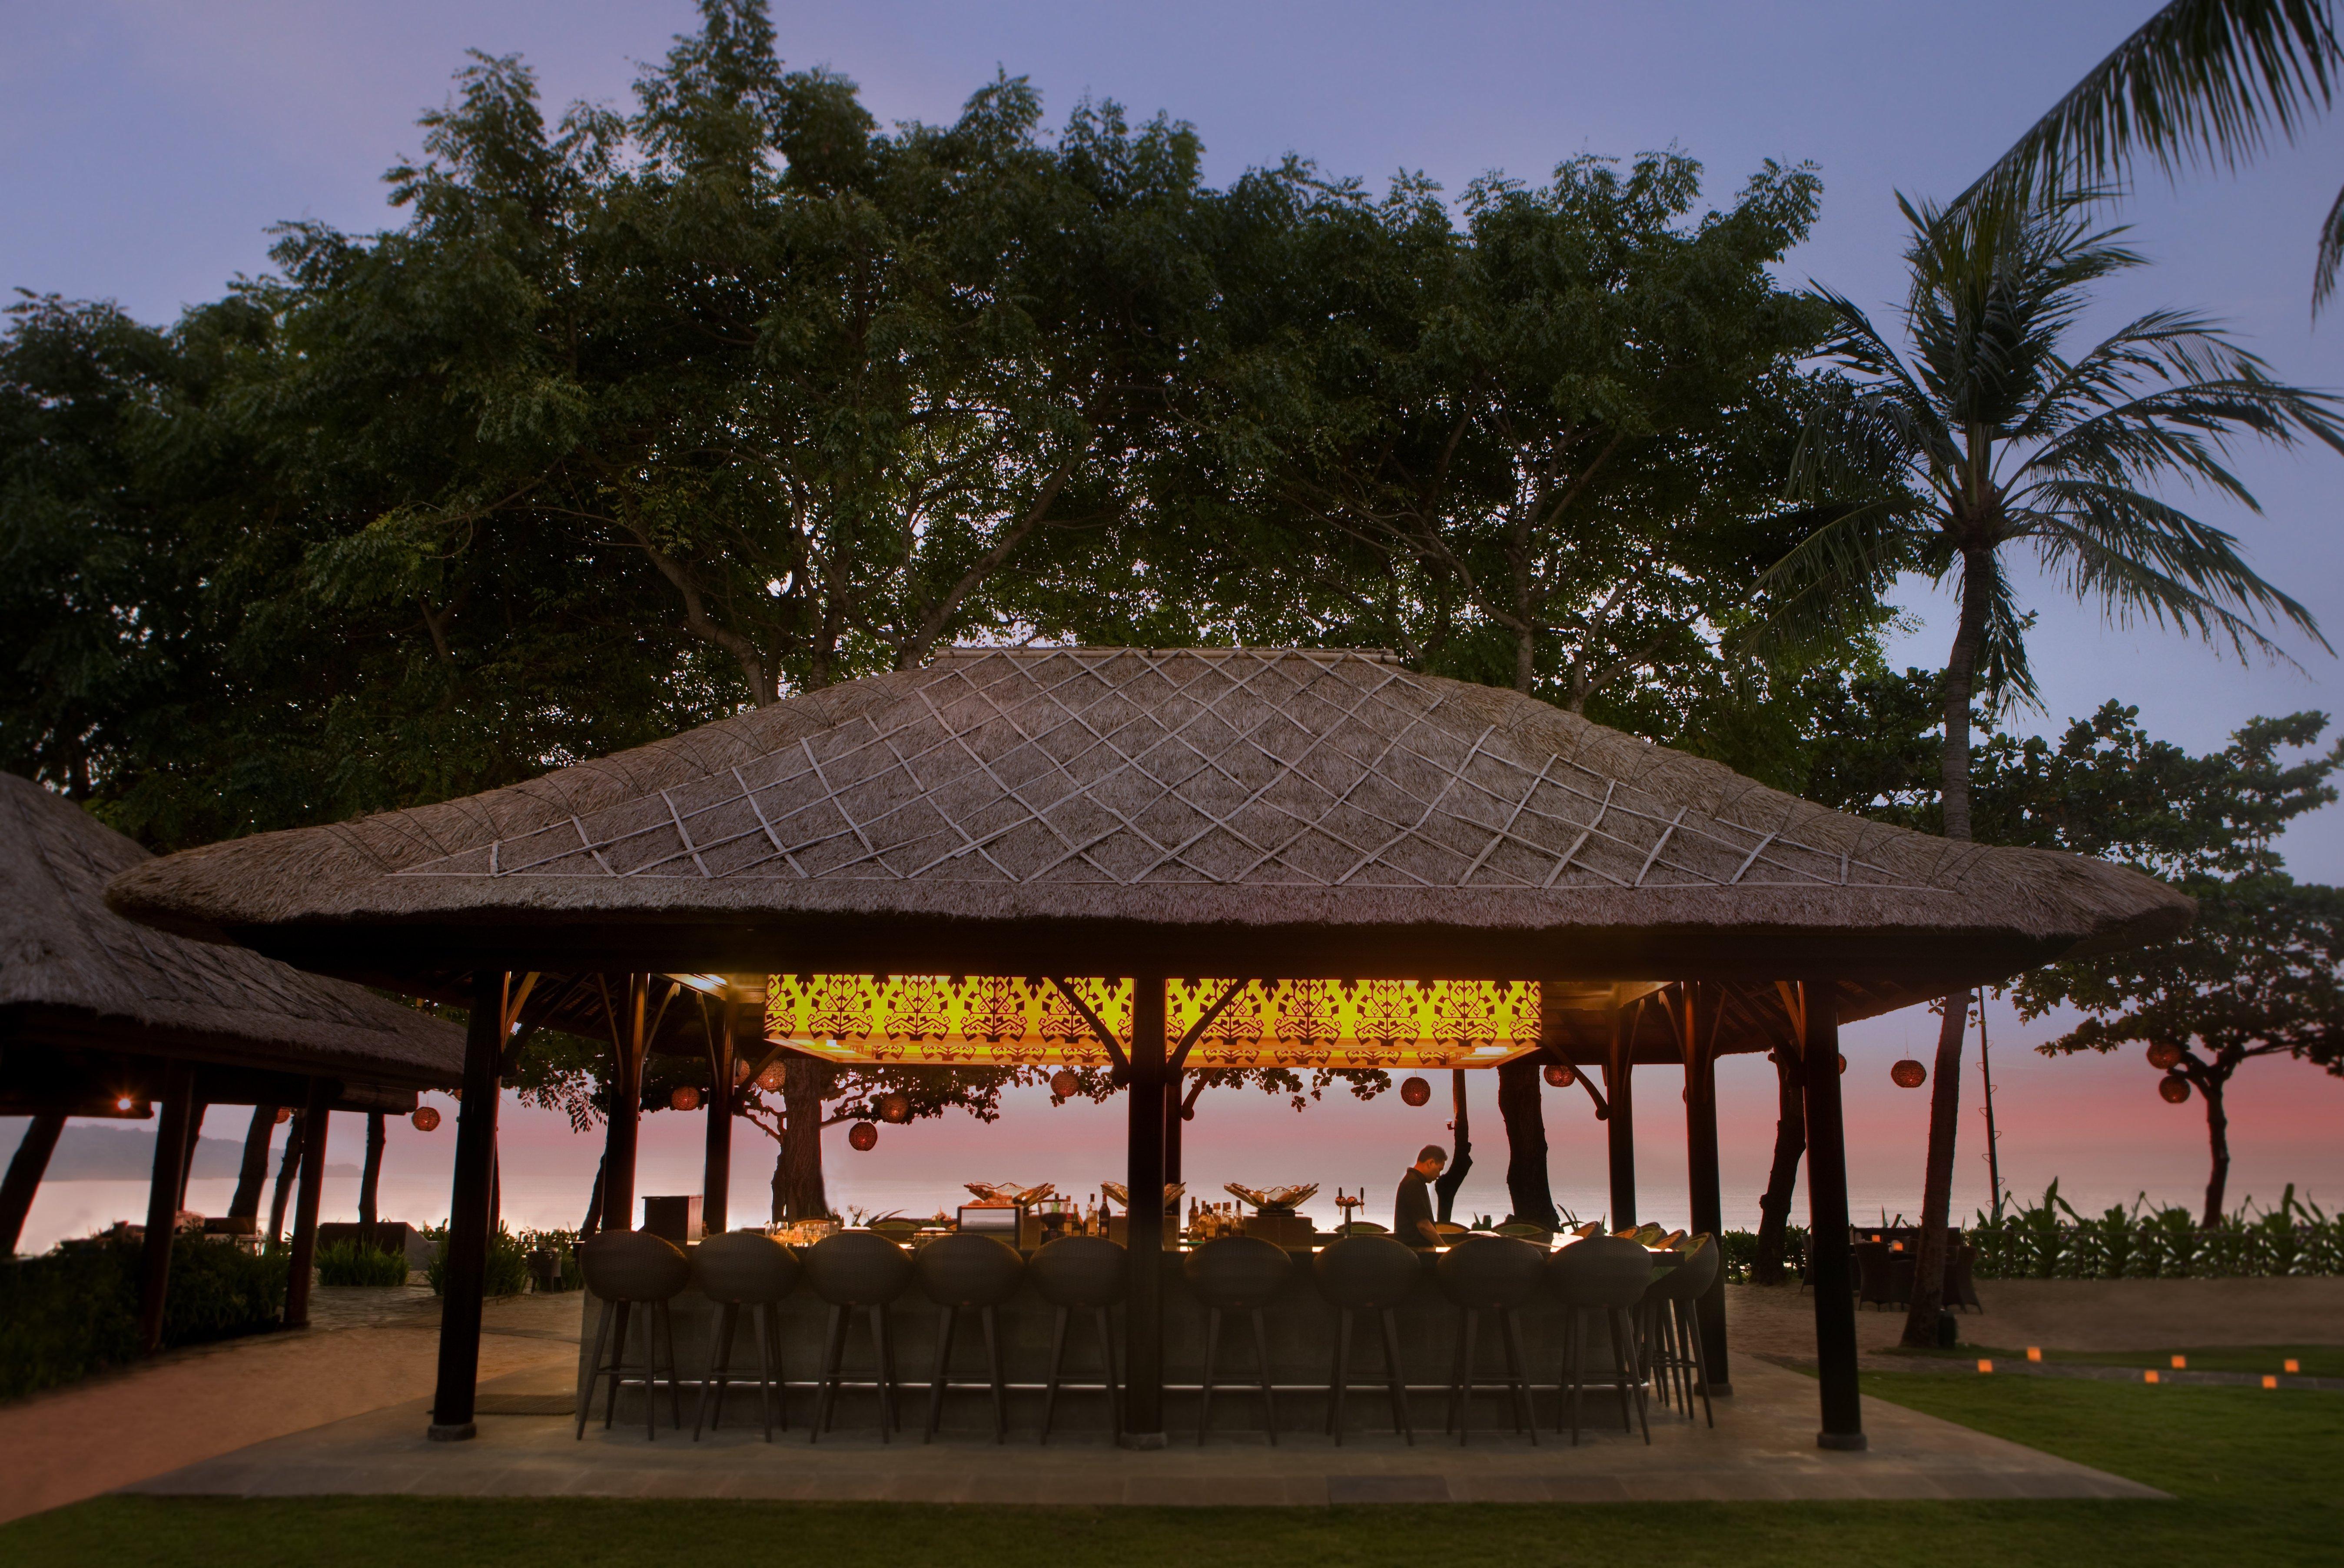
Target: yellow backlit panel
[(995, 1020)]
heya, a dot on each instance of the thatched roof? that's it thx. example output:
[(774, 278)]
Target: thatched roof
[(1213, 811), (75, 975)]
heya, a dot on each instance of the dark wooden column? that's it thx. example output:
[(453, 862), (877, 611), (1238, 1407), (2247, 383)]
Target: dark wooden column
[(468, 1214), (1620, 1127), (1143, 1320), (162, 1203), (626, 1110), (24, 1172), (1706, 1205), (1829, 1272), (717, 1162), (317, 1114), (1173, 1119)]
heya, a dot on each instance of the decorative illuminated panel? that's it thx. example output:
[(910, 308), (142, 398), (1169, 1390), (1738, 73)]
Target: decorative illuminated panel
[(996, 1020)]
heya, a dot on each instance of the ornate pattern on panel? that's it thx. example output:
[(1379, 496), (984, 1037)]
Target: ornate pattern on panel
[(839, 1005), (917, 1008), (995, 1008), (1385, 1013), (1466, 1014)]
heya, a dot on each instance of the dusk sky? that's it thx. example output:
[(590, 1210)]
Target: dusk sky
[(145, 149)]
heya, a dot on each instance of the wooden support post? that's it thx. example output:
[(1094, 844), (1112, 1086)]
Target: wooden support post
[(24, 1172), (316, 1114), (626, 1111), (1143, 1320), (1705, 1203), (1172, 1127), (1620, 1128), (1832, 1266), (162, 1203), (468, 1215), (716, 1163)]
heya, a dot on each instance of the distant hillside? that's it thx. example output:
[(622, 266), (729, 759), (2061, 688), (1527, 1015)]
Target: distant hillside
[(95, 1152)]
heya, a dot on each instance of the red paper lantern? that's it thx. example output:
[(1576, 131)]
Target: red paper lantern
[(1842, 1066), (1416, 1091), (285, 1114), (686, 1098), (1908, 1074), (861, 1137), (426, 1117), (770, 1080), (2175, 1090), (895, 1108), (1064, 1082), (1561, 1077), (2163, 1055)]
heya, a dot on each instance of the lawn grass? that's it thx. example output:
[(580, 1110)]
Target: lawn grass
[(2251, 1472), (2312, 1361)]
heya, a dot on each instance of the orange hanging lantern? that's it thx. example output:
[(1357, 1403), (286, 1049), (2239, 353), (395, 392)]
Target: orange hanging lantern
[(285, 1114), (895, 1108), (1560, 1076), (1064, 1082), (2164, 1055), (1908, 1074), (1416, 1091), (2174, 1090), (741, 1072), (861, 1137), (770, 1080), (686, 1098), (425, 1118), (1842, 1067)]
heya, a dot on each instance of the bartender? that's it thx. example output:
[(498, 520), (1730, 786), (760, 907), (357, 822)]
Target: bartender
[(1412, 1215)]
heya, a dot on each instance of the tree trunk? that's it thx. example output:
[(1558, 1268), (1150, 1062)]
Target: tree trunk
[(593, 1220), (24, 1173), (798, 1188), (253, 1175), (370, 1181), (1460, 1155), (1525, 1120), (1525, 661), (2217, 1133), (195, 1138), (1783, 1176), (288, 1169)]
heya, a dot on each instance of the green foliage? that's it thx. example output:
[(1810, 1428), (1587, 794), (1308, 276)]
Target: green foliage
[(1738, 1252), (355, 1263), (508, 1270), (2049, 1240), (76, 1311)]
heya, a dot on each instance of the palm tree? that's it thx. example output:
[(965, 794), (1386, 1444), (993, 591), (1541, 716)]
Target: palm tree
[(2201, 82), (1987, 443)]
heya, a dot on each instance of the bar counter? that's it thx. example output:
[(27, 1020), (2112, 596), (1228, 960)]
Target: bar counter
[(1301, 1325)]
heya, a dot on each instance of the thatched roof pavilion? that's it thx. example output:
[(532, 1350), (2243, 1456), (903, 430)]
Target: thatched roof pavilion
[(100, 1015), (1141, 816)]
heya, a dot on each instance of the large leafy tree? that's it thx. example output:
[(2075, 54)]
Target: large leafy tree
[(1995, 439)]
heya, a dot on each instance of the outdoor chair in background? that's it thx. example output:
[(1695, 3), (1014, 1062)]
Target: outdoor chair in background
[(1372, 1274), (968, 1271), (1497, 1276), (1237, 1274), (1673, 1342), (856, 1270), (745, 1268), (1081, 1274), (1884, 1276), (1605, 1274), (1961, 1285), (628, 1270)]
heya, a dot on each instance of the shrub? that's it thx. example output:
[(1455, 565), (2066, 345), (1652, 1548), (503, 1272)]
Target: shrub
[(75, 1312), (355, 1263), (508, 1272), (2050, 1240), (563, 1245)]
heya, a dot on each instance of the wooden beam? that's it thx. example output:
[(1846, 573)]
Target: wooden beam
[(317, 1114), (1830, 1266), (716, 1163), (1143, 1320), (626, 1106), (24, 1172), (163, 1205), (468, 1216)]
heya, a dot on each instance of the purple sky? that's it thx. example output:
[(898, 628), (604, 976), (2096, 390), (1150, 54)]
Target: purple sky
[(145, 149)]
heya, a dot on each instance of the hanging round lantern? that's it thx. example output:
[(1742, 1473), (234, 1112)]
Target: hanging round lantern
[(741, 1072), (2164, 1055), (861, 1137), (1842, 1067), (2175, 1090), (426, 1117), (1416, 1091), (895, 1107), (1064, 1082), (1561, 1077), (285, 1114), (1908, 1074), (686, 1098), (770, 1080)]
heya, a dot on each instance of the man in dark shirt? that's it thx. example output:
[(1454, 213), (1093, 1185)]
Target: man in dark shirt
[(1412, 1215)]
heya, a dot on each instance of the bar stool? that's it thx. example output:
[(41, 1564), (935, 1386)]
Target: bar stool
[(1496, 1274), (630, 1269), (856, 1270), (1607, 1274), (1674, 1343), (1085, 1274), (968, 1270), (1237, 1274), (1367, 1274), (745, 1268)]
